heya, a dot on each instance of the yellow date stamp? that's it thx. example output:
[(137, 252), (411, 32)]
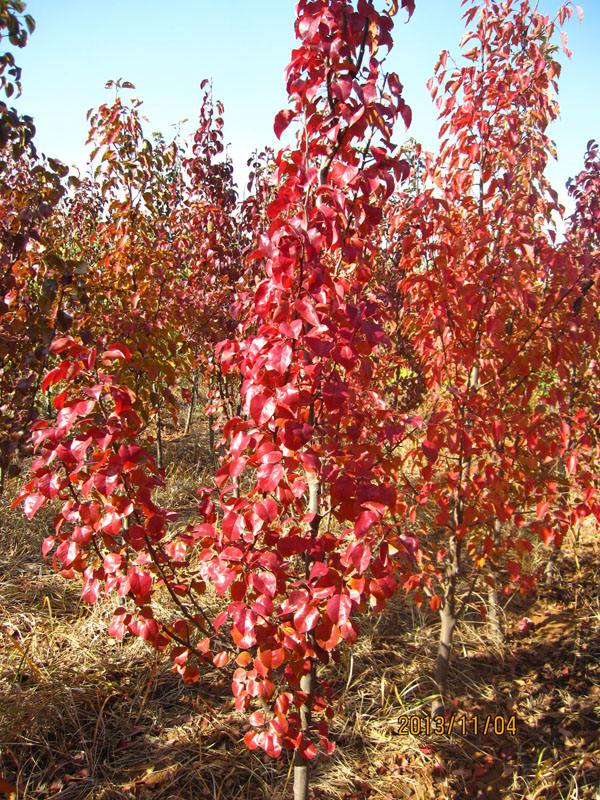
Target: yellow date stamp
[(463, 725)]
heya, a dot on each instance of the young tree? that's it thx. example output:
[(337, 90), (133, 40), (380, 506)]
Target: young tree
[(16, 131), (211, 240), (489, 295), (298, 538), (307, 448), (39, 291)]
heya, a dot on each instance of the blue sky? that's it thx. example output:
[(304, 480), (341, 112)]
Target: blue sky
[(243, 46)]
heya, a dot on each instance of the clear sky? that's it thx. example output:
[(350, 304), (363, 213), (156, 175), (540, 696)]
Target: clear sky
[(166, 49)]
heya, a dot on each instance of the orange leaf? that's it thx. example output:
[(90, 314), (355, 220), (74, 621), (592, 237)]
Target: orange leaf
[(7, 788)]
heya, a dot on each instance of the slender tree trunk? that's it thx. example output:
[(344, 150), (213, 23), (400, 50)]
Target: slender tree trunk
[(211, 435), (190, 414), (577, 537), (301, 766), (159, 441), (442, 662), (494, 617), (448, 619), (448, 611), (550, 569)]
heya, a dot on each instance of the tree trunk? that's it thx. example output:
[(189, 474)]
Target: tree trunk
[(494, 618), (211, 436), (442, 662), (448, 611), (448, 618), (190, 414), (159, 441), (550, 570), (301, 766)]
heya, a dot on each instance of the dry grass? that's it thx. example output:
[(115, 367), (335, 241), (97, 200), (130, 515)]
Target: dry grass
[(82, 717)]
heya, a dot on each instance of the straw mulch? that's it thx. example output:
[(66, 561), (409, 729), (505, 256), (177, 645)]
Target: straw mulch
[(85, 718)]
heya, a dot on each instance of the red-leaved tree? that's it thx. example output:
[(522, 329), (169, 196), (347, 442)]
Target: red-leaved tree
[(500, 315), (297, 539)]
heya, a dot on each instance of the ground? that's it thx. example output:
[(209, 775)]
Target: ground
[(85, 718)]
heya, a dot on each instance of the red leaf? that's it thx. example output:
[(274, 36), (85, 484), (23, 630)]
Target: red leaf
[(269, 476), (266, 509), (282, 120), (47, 545), (430, 449), (309, 751), (409, 5), (359, 555), (60, 344), (327, 635), (338, 608), (307, 311), (250, 740), (118, 626), (90, 590), (232, 553), (54, 376), (541, 509), (112, 562), (117, 352), (146, 628), (272, 745), (282, 704), (265, 583), (365, 520), (220, 619), (257, 719), (306, 618), (406, 114), (32, 504), (67, 552), (262, 408), (221, 660), (280, 357)]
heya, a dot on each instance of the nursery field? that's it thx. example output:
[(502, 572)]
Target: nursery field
[(299, 486), (84, 717)]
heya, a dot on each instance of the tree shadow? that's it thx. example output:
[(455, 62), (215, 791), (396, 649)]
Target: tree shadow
[(549, 680), (124, 736)]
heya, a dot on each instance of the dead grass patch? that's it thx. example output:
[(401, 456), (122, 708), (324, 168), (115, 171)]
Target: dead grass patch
[(85, 718)]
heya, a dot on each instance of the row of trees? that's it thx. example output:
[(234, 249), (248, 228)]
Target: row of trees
[(399, 355)]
